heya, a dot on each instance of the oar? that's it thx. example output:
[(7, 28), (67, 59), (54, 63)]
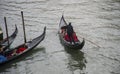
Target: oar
[(23, 27), (6, 30), (90, 42)]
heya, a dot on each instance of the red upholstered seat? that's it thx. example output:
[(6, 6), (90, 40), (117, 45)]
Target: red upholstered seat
[(21, 49), (66, 38), (75, 37)]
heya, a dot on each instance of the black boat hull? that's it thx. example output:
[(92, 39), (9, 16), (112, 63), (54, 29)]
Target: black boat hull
[(77, 46), (30, 45)]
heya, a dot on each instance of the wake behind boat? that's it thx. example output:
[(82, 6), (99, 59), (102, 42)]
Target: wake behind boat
[(65, 40), (23, 48)]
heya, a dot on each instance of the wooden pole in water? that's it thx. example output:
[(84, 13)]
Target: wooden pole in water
[(6, 30), (23, 26)]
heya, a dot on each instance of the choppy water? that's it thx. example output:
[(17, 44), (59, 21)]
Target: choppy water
[(98, 21)]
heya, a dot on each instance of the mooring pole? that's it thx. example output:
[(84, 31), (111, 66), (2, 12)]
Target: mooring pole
[(23, 26), (6, 30)]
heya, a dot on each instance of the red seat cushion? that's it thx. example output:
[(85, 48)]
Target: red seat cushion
[(66, 37), (20, 50), (75, 37)]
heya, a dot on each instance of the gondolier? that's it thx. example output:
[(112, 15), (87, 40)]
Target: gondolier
[(70, 32)]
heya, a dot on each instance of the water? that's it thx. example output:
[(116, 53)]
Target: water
[(95, 20)]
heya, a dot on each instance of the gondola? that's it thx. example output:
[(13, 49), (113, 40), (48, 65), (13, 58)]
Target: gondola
[(77, 45), (23, 48), (4, 42)]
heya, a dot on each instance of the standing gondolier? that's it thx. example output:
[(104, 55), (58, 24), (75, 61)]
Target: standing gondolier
[(70, 32)]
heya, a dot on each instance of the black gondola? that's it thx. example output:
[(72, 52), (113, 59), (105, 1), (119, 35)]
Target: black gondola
[(27, 46), (77, 45), (4, 42)]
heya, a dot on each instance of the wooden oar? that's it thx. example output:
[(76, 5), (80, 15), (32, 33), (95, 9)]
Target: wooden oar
[(23, 26), (90, 42), (6, 30)]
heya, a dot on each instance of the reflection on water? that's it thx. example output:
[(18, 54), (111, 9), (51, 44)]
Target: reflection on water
[(76, 60), (27, 57)]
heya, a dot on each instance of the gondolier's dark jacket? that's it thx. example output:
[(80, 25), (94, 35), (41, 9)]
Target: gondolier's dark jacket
[(70, 29)]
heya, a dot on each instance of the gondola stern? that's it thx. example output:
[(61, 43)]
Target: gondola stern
[(44, 32), (15, 32), (45, 29), (16, 29), (83, 43)]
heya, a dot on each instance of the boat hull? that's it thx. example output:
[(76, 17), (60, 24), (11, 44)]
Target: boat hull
[(77, 46), (30, 45)]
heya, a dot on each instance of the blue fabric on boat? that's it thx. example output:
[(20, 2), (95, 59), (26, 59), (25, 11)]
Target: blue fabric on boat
[(2, 58)]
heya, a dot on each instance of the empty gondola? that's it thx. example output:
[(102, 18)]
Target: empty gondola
[(21, 49)]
